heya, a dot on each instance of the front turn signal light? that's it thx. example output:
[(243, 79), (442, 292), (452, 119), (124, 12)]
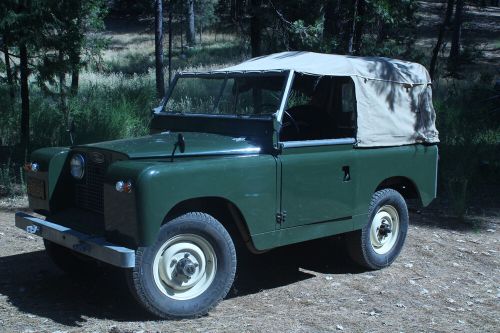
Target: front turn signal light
[(32, 166), (122, 186)]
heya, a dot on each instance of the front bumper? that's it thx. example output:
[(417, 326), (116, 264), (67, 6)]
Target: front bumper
[(95, 247)]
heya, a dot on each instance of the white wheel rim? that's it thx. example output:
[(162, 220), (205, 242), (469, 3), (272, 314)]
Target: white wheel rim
[(184, 266), (386, 219)]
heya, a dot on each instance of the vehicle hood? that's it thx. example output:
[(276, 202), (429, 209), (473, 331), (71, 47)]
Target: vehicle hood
[(162, 145)]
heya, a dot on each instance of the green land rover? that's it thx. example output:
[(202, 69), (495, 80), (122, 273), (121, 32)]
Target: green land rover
[(277, 150)]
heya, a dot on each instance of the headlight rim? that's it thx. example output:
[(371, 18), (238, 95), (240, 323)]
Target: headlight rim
[(81, 160)]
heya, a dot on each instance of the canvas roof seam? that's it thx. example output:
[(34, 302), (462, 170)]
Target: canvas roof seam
[(307, 73)]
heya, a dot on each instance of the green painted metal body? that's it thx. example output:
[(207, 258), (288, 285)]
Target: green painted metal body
[(282, 192), (308, 183), (52, 162)]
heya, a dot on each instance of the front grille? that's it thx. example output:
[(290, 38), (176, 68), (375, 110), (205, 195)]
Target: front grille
[(89, 193)]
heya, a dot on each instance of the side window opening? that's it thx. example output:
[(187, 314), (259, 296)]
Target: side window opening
[(320, 107), (346, 121)]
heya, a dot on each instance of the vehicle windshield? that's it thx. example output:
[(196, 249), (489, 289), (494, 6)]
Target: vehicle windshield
[(249, 95)]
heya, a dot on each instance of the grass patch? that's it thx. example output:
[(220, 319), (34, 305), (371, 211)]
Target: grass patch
[(11, 180), (134, 53)]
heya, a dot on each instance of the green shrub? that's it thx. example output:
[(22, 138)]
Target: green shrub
[(469, 130), (108, 106), (11, 180)]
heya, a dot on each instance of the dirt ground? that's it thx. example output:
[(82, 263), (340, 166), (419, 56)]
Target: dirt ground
[(447, 279)]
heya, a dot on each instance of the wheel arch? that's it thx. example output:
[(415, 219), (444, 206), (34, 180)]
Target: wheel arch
[(223, 210), (404, 185)]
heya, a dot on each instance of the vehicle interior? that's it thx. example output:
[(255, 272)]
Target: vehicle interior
[(319, 108)]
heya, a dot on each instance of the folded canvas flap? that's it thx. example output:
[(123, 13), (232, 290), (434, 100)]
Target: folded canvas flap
[(394, 97)]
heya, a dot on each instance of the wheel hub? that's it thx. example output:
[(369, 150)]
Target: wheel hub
[(184, 266), (384, 229)]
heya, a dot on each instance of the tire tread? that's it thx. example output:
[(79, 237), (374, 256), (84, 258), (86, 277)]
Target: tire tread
[(133, 275), (358, 241)]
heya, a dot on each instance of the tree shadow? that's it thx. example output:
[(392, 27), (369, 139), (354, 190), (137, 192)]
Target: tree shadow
[(35, 286), (436, 217)]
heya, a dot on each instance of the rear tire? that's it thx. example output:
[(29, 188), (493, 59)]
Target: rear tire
[(379, 243), (187, 271)]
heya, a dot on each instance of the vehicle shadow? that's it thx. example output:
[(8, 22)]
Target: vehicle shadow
[(33, 285), (290, 264)]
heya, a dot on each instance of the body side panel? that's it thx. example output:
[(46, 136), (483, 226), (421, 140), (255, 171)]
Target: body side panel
[(418, 163), (313, 186), (247, 181)]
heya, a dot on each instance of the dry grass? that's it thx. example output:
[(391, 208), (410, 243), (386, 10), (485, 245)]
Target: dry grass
[(17, 202)]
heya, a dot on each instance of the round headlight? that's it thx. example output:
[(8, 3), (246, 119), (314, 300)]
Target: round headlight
[(77, 166)]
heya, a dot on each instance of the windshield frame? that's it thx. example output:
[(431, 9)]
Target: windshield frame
[(287, 83)]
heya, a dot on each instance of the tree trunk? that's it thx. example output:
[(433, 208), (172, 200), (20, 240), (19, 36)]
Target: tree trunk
[(255, 29), (169, 41), (182, 34), (439, 42), (337, 31), (190, 31), (75, 81), (381, 33), (160, 86), (25, 100), (62, 86), (350, 47), (457, 30), (8, 70), (329, 21), (358, 34), (233, 10), (75, 74)]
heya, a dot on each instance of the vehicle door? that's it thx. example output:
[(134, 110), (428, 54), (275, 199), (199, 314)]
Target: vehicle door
[(317, 156)]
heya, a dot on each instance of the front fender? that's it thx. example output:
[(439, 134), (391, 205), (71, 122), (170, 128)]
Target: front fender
[(51, 162), (247, 181)]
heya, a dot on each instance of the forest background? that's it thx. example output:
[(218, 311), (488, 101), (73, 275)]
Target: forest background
[(103, 65)]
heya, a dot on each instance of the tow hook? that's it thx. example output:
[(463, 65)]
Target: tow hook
[(32, 229)]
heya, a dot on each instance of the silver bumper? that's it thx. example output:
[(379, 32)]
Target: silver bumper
[(95, 247)]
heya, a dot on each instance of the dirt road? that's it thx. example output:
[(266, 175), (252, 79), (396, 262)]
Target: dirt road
[(446, 280)]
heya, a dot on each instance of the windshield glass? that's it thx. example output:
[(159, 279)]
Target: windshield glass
[(251, 95)]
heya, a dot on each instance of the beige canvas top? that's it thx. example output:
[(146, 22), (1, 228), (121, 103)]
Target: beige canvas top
[(394, 97)]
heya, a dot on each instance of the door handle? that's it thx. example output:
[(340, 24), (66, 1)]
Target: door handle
[(347, 173)]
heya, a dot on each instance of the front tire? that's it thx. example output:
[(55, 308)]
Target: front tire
[(187, 271), (379, 243)]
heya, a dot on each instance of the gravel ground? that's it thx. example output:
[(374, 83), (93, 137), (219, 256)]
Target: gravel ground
[(447, 279)]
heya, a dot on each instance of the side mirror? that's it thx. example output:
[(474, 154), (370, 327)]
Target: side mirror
[(159, 108), (156, 110)]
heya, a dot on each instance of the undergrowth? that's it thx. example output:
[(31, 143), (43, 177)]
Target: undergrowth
[(115, 101), (468, 120)]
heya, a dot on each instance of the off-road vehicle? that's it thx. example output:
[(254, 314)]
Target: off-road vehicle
[(277, 150)]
